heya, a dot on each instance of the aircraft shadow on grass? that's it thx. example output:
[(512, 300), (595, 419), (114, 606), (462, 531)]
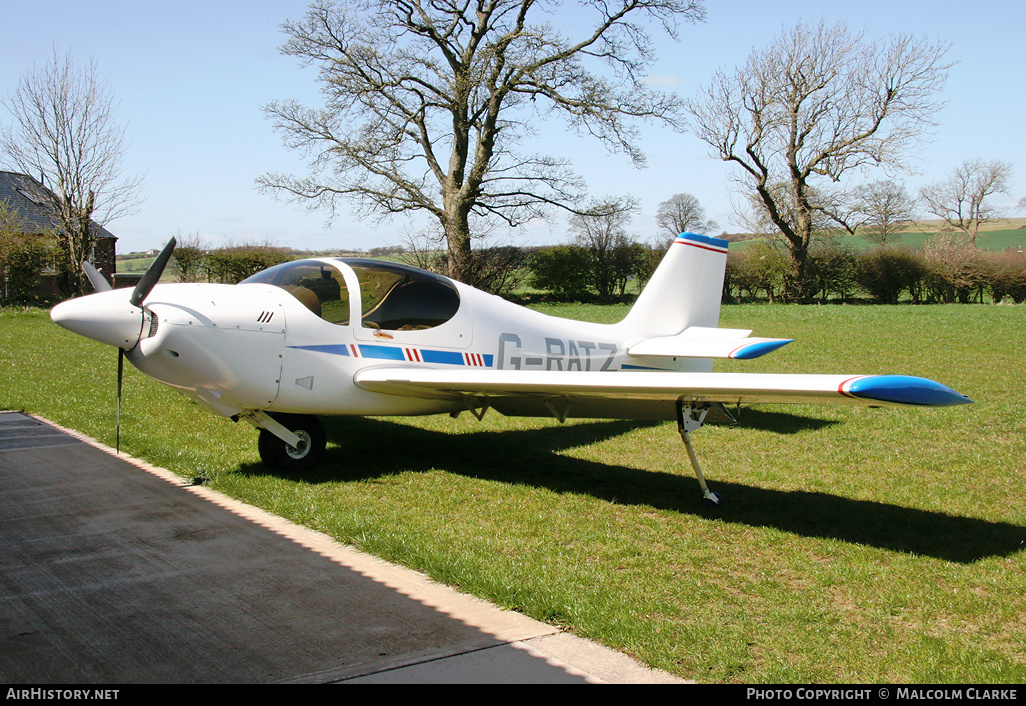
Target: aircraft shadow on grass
[(780, 422), (371, 448)]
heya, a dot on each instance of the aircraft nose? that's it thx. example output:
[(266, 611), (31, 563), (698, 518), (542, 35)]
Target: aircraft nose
[(107, 317)]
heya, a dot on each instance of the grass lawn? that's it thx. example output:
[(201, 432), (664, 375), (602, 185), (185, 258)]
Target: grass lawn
[(855, 545)]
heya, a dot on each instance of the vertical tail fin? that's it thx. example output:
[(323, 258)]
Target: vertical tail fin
[(685, 290)]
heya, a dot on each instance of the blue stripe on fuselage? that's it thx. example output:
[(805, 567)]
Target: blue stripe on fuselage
[(395, 353)]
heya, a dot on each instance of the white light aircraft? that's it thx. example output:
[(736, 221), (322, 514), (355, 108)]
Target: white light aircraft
[(332, 336)]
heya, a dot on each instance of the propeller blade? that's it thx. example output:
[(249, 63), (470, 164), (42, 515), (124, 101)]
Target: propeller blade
[(156, 269), (117, 421), (99, 282)]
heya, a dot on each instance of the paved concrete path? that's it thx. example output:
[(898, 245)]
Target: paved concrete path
[(113, 571)]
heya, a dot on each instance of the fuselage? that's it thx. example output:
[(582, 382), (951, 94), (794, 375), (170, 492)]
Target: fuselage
[(292, 338)]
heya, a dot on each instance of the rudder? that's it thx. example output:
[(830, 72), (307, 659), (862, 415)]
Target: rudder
[(685, 290)]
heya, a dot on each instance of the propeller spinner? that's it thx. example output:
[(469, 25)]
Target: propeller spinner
[(112, 316)]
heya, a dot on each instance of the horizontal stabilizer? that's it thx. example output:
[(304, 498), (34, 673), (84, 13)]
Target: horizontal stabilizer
[(702, 342)]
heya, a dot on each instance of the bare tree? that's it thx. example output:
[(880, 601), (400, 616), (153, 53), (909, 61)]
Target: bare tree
[(828, 211), (817, 103), (427, 102), (602, 231), (883, 209), (64, 131), (955, 267), (682, 213), (961, 199)]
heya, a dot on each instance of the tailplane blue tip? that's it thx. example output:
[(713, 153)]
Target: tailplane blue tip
[(755, 350)]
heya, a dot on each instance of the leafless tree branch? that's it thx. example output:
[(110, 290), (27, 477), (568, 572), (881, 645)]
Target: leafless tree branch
[(816, 104), (64, 130), (426, 103)]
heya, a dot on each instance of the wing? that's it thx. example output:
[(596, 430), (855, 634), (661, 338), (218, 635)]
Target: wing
[(627, 386)]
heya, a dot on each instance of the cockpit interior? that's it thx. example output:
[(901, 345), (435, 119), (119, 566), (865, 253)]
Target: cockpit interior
[(392, 296)]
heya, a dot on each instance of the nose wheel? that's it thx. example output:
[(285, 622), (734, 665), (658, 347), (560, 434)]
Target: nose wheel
[(279, 455)]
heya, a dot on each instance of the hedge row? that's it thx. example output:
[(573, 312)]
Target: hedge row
[(576, 273), (231, 265), (22, 263), (228, 265), (944, 271)]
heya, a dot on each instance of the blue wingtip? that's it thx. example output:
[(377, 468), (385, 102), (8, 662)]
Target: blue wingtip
[(905, 389)]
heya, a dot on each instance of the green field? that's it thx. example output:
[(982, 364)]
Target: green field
[(135, 265), (1006, 234), (854, 545), (988, 241)]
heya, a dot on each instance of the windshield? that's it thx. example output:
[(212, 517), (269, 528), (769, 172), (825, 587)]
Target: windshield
[(320, 287)]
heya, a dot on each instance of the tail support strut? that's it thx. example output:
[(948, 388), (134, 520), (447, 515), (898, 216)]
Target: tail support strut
[(690, 417)]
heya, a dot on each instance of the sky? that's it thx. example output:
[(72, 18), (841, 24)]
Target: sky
[(191, 79)]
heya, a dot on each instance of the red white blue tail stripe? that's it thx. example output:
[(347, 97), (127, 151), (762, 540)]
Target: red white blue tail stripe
[(704, 242)]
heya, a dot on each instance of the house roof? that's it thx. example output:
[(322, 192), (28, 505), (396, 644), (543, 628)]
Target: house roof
[(22, 194)]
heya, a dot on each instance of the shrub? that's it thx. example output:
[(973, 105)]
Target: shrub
[(498, 270), (563, 270), (759, 267), (1006, 275), (631, 260), (231, 265), (189, 258), (831, 271), (955, 269), (886, 273), (22, 265)]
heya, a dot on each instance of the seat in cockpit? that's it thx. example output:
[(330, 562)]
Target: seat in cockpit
[(414, 304)]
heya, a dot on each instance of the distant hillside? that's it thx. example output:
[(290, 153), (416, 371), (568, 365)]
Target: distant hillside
[(1004, 234)]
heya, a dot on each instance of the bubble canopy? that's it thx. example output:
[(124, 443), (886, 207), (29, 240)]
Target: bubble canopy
[(391, 297)]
